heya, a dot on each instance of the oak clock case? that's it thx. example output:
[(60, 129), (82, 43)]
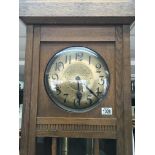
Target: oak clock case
[(77, 79), (48, 119)]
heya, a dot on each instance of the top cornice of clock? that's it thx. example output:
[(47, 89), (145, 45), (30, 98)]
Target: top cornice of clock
[(75, 1), (49, 11), (76, 7)]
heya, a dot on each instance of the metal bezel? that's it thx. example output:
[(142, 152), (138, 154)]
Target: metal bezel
[(52, 96)]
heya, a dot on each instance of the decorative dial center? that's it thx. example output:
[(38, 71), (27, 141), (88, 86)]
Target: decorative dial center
[(80, 71)]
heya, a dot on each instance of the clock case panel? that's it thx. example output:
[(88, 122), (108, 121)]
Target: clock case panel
[(42, 118), (47, 107), (72, 71), (53, 120)]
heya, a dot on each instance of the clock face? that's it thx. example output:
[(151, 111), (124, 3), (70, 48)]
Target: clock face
[(77, 79)]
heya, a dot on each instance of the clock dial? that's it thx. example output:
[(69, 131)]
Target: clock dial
[(77, 79)]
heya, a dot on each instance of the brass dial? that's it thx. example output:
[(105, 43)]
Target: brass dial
[(77, 79)]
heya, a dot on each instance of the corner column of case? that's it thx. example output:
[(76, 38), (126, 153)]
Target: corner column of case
[(127, 91), (27, 91), (119, 90), (34, 91)]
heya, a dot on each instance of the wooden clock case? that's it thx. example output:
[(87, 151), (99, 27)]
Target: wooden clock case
[(110, 37)]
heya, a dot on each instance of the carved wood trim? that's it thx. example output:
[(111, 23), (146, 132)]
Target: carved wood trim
[(78, 133), (76, 127), (78, 121)]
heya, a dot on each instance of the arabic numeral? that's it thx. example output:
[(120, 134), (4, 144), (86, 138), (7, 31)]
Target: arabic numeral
[(55, 76), (98, 92), (68, 59), (76, 103), (101, 80), (59, 66), (98, 67), (89, 60), (65, 95), (58, 91), (79, 56), (90, 102)]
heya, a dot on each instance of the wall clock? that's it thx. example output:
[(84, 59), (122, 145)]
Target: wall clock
[(77, 79)]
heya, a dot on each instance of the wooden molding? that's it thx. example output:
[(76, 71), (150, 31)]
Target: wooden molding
[(84, 20), (74, 8), (77, 11)]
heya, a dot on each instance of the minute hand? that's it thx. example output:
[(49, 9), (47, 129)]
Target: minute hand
[(92, 92)]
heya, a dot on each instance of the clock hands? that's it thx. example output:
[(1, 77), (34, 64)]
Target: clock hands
[(78, 85), (78, 94), (91, 91)]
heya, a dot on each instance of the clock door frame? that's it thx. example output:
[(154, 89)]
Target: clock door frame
[(122, 130)]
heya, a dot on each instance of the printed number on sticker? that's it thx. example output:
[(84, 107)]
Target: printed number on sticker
[(106, 111)]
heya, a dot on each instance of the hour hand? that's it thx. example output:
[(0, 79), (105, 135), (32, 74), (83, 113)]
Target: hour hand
[(78, 99), (78, 94)]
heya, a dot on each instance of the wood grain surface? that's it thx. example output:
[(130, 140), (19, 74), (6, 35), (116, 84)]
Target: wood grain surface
[(127, 91), (96, 147), (27, 91), (76, 33), (54, 146), (115, 8), (77, 20), (119, 91), (34, 91), (42, 118), (77, 12), (77, 121), (46, 108)]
